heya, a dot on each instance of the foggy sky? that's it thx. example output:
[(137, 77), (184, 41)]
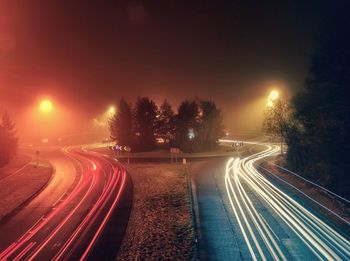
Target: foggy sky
[(87, 55)]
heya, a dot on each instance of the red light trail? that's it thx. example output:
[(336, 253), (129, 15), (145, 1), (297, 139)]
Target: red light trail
[(97, 192)]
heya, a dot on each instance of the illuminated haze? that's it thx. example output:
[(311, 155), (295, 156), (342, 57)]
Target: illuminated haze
[(85, 57)]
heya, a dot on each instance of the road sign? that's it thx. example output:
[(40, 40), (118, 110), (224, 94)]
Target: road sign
[(174, 152), (237, 144), (118, 148)]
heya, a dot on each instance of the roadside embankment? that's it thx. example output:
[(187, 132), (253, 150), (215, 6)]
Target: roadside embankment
[(331, 205), (160, 225), (19, 186), (17, 164)]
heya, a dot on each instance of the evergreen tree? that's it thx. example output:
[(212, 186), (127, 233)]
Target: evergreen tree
[(186, 133), (145, 121), (165, 126), (121, 124), (8, 139), (211, 126)]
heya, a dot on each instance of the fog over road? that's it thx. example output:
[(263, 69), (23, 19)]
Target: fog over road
[(72, 217), (241, 214)]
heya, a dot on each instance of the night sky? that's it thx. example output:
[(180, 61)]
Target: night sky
[(86, 55)]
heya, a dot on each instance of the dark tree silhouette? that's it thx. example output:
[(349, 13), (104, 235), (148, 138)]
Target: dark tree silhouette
[(8, 139), (145, 120), (121, 124), (194, 128), (165, 125), (323, 109), (211, 126), (187, 123)]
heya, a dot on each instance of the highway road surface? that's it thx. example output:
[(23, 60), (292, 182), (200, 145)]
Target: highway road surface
[(80, 215), (243, 215)]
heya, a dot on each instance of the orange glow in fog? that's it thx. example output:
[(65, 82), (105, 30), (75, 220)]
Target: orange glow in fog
[(46, 106)]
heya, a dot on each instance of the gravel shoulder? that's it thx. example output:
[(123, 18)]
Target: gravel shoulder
[(17, 187), (160, 224)]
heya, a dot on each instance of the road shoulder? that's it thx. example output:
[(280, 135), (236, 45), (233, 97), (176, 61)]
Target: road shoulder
[(216, 230), (19, 189), (321, 201)]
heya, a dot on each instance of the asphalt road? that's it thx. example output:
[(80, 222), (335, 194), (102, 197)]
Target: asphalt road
[(242, 215), (81, 214)]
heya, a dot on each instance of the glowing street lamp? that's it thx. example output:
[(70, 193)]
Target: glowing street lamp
[(273, 96), (111, 110), (46, 106)]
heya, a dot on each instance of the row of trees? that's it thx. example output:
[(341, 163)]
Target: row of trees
[(8, 139), (316, 124), (195, 127)]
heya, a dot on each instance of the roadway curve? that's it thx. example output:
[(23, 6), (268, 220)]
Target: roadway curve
[(312, 237), (81, 214), (248, 216)]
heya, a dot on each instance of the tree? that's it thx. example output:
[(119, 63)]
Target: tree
[(297, 154), (8, 139), (277, 121), (121, 124), (165, 126), (145, 119), (211, 126), (187, 125), (323, 108)]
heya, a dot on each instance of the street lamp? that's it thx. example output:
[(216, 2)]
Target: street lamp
[(273, 96), (111, 110), (46, 106)]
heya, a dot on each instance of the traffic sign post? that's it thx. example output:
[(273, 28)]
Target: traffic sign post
[(37, 158), (119, 148), (174, 152), (128, 150), (237, 145)]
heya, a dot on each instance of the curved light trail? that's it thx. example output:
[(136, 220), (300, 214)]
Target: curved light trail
[(258, 205), (78, 217)]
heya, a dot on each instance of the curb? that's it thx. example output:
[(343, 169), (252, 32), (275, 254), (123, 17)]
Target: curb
[(193, 214), (130, 210)]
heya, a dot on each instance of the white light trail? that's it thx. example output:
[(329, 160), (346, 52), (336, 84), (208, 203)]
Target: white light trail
[(241, 179)]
